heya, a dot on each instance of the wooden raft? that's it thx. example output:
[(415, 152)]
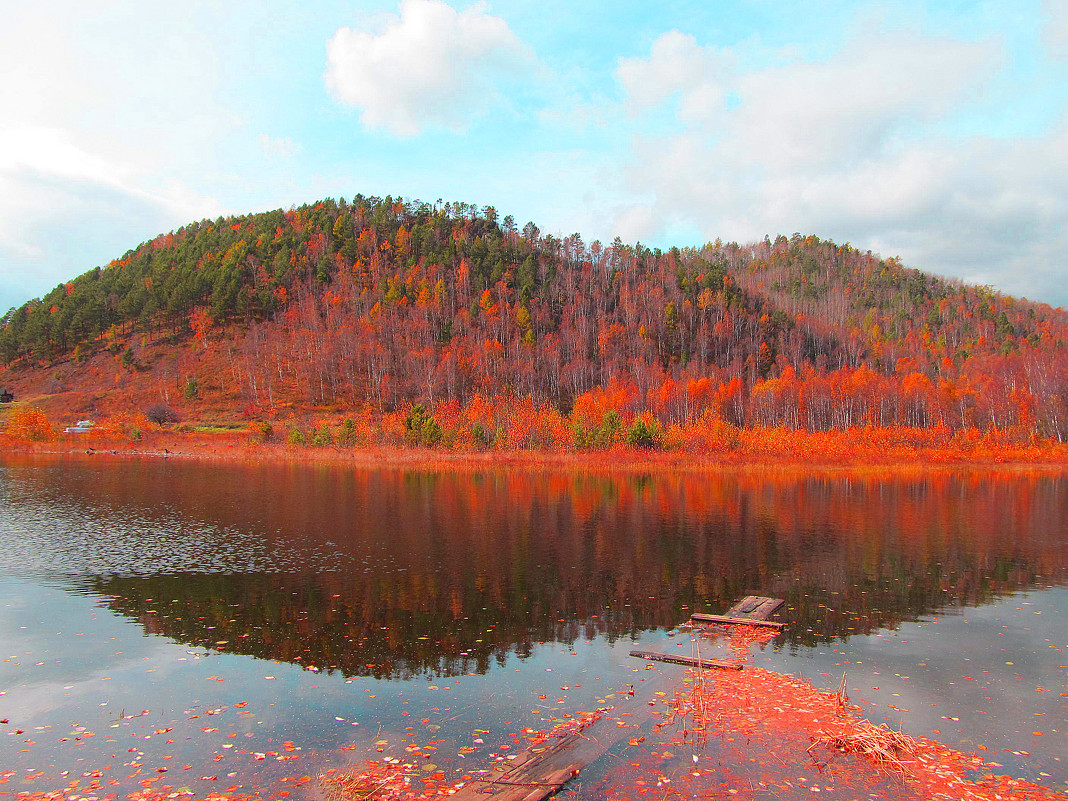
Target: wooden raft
[(752, 610), (541, 771)]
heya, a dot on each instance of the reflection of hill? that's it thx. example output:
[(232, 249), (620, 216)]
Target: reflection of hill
[(411, 573)]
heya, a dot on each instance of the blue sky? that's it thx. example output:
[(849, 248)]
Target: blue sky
[(936, 131)]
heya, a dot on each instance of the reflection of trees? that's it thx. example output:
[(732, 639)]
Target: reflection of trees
[(407, 573)]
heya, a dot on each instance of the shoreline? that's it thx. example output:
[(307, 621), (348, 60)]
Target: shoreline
[(227, 448)]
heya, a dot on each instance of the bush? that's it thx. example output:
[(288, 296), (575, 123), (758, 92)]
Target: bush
[(431, 431), (29, 422), (161, 413), (607, 433), (296, 437), (644, 434), (323, 437), (420, 428), (347, 435), (479, 435)]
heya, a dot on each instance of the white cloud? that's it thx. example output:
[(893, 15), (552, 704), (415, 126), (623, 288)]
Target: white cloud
[(1055, 33), (635, 222), (51, 151), (852, 147), (59, 202), (116, 118), (431, 66), (855, 105), (677, 65)]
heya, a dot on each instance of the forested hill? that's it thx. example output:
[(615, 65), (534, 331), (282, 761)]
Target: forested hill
[(387, 302)]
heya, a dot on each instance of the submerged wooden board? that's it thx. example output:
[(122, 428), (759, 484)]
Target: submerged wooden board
[(690, 661), (541, 771)]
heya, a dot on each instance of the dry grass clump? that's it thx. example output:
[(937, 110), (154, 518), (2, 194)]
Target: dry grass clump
[(886, 748), (380, 780)]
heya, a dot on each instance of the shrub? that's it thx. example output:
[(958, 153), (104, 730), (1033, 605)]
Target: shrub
[(29, 422), (347, 434), (420, 428), (135, 427), (296, 437), (479, 435), (644, 434), (431, 431), (323, 437), (607, 433)]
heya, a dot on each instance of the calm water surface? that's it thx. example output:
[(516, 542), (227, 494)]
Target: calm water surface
[(237, 626)]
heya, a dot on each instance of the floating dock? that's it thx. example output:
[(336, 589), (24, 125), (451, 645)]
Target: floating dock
[(752, 610)]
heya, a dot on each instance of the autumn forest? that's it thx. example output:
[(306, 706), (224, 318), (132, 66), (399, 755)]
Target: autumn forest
[(443, 324)]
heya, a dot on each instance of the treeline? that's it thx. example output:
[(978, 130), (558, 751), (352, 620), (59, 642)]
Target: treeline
[(390, 302)]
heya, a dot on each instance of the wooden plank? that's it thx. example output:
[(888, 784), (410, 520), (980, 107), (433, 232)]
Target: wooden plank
[(685, 660), (531, 776), (738, 621), (755, 606), (542, 771)]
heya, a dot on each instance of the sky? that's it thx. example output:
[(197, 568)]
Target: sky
[(932, 131)]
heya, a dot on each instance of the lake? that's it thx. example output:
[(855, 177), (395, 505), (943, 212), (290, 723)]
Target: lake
[(232, 627)]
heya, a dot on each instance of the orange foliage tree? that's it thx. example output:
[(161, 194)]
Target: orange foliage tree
[(30, 423)]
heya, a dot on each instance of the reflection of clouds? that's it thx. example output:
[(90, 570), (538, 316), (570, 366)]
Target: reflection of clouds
[(38, 698), (77, 657), (956, 667)]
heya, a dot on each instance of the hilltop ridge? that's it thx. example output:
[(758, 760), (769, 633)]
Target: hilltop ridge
[(382, 303)]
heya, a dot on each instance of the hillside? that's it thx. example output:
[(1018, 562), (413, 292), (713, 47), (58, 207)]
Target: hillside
[(375, 304)]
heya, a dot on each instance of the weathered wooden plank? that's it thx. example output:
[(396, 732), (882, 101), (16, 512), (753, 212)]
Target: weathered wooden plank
[(522, 787), (740, 621), (685, 660), (755, 606), (542, 771)]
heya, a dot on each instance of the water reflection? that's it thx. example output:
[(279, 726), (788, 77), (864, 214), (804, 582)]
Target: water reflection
[(397, 573)]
